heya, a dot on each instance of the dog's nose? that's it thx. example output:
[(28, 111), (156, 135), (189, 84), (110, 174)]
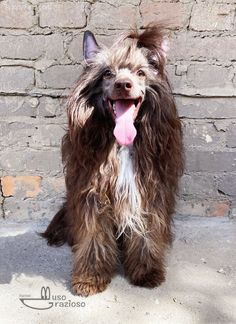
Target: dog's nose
[(124, 85)]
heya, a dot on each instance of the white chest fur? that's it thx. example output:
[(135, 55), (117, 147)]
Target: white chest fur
[(128, 199)]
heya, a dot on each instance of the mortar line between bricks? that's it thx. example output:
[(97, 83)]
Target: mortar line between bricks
[(139, 9), (234, 18), (41, 94), (208, 120), (37, 95), (203, 96), (34, 95), (88, 14)]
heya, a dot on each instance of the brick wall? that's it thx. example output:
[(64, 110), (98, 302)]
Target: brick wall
[(40, 55)]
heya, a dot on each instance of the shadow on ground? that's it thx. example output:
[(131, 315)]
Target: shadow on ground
[(28, 253), (200, 285)]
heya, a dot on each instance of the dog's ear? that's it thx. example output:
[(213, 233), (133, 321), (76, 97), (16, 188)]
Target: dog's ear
[(90, 46), (159, 54), (154, 38), (165, 46)]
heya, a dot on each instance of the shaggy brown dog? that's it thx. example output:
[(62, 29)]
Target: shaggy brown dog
[(123, 157)]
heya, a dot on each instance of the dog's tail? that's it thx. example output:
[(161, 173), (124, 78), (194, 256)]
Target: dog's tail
[(56, 232)]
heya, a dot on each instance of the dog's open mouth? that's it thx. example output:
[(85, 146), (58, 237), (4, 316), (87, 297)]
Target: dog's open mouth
[(124, 112), (126, 104)]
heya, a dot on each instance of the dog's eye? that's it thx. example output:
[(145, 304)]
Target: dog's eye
[(140, 73), (107, 74)]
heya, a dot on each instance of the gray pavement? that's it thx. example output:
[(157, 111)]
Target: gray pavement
[(200, 285)]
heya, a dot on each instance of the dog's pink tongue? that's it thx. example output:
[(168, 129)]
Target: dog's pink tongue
[(124, 130)]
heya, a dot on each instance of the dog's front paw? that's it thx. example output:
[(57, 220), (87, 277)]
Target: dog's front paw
[(149, 279), (85, 287)]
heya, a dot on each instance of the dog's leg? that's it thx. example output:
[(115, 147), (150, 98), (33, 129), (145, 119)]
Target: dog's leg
[(95, 259), (55, 233), (144, 259)]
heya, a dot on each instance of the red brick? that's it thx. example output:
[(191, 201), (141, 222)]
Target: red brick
[(203, 207), (24, 186), (218, 209)]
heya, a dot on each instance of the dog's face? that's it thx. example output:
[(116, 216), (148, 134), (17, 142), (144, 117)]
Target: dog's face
[(124, 87), (125, 75)]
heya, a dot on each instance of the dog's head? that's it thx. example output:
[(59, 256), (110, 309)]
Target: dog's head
[(117, 80), (123, 96)]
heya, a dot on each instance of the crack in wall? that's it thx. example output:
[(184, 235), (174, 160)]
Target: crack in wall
[(190, 17), (3, 200)]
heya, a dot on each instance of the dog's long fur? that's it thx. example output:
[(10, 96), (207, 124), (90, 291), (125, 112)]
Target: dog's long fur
[(120, 198)]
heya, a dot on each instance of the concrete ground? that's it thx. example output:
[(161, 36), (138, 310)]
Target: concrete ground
[(200, 285)]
